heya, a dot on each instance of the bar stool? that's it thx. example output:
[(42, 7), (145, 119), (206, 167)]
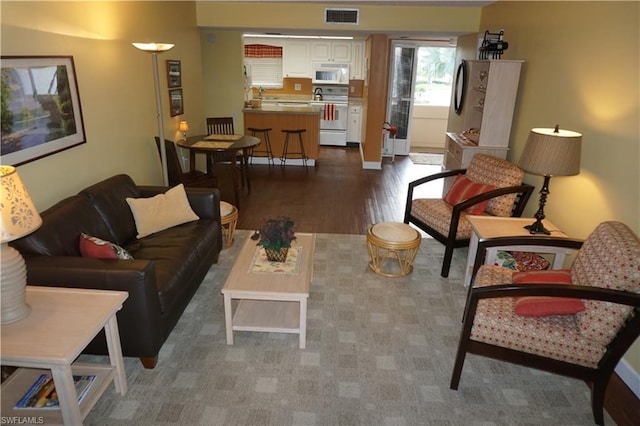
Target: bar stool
[(285, 149), (267, 144)]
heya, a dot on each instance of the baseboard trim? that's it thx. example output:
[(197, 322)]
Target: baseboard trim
[(629, 376)]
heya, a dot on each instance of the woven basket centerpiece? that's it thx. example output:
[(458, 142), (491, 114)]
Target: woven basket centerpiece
[(276, 236), (277, 255)]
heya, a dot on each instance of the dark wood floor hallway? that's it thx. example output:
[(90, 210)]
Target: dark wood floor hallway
[(335, 196)]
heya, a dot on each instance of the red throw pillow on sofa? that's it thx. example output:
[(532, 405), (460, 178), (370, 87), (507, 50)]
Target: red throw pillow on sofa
[(101, 249), (542, 306), (464, 188)]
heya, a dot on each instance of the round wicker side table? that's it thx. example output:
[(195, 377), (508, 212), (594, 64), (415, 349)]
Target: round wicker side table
[(228, 220), (392, 241)]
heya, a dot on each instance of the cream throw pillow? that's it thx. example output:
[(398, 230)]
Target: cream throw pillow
[(162, 211)]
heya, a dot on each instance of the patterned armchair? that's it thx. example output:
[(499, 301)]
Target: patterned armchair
[(500, 190), (587, 344)]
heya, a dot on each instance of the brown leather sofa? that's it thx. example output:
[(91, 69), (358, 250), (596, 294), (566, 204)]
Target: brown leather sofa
[(166, 271)]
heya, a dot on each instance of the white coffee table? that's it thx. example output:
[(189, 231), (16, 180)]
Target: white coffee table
[(485, 227), (61, 324), (269, 301)]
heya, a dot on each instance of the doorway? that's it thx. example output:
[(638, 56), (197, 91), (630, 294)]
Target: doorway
[(420, 82)]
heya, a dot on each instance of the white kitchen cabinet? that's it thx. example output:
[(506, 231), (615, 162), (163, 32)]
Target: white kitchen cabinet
[(331, 51), (356, 70), (354, 124), (489, 102), (296, 59)]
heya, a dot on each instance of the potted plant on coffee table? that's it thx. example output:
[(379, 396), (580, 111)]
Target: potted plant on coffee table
[(276, 236)]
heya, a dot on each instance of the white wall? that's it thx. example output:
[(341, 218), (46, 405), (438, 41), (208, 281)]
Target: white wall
[(428, 124)]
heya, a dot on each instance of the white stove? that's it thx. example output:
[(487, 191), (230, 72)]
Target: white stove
[(333, 117)]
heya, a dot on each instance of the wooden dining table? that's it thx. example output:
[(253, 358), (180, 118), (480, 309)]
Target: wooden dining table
[(222, 148)]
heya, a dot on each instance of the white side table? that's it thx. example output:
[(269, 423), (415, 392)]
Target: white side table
[(485, 227), (61, 324)]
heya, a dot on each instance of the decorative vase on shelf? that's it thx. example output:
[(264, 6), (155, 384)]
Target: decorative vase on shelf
[(276, 236), (277, 255)]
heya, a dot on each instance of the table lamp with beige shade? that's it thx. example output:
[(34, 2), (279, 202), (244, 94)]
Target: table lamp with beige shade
[(18, 217), (183, 126), (550, 152)]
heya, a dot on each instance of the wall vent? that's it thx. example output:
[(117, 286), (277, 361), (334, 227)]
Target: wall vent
[(341, 16)]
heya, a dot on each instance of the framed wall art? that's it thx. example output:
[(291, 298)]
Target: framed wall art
[(174, 74), (176, 102), (40, 108)]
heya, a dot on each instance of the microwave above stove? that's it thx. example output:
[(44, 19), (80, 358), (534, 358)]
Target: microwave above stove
[(330, 73)]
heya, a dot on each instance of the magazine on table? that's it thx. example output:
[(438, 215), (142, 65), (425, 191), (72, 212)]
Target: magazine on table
[(42, 394)]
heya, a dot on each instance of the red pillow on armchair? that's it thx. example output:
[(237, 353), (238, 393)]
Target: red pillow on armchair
[(542, 306), (464, 188)]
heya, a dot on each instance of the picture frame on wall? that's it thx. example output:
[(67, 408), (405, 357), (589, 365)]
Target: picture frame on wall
[(40, 108), (176, 102), (174, 73)]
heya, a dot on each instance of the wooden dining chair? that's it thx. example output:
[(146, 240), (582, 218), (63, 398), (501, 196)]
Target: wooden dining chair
[(224, 126), (192, 178)]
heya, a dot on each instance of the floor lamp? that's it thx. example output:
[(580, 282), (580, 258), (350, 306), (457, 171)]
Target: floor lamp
[(550, 152), (154, 49)]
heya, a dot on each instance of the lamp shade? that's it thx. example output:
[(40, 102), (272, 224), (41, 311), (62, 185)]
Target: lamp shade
[(183, 126), (18, 215), (552, 152), (153, 47)]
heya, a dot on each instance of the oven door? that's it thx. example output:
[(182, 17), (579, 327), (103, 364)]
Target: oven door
[(339, 121)]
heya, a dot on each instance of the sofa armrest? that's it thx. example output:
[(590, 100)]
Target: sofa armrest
[(139, 320), (205, 202)]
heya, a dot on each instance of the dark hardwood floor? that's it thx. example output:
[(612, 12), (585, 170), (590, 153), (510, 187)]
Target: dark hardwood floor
[(338, 196)]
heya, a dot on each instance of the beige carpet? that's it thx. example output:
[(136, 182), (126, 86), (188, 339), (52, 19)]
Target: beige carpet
[(426, 159), (379, 353)]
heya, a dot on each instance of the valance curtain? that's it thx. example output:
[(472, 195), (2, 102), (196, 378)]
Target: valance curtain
[(262, 51), (264, 65)]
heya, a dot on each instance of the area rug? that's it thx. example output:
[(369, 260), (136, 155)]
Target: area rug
[(427, 159), (379, 352)]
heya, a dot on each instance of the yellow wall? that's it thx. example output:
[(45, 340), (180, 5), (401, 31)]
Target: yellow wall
[(115, 82), (581, 71)]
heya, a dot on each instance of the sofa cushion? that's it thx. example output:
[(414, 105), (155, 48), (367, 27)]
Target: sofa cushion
[(163, 211), (101, 249), (175, 251), (108, 198), (61, 227)]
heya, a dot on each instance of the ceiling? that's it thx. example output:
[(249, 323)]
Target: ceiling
[(441, 3)]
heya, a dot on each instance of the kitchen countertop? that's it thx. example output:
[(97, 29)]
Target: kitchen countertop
[(269, 109)]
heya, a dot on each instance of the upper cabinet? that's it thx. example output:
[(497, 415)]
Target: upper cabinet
[(331, 51), (356, 69), (296, 59), (299, 55)]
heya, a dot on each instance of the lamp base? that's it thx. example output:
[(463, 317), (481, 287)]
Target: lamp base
[(13, 281), (537, 228)]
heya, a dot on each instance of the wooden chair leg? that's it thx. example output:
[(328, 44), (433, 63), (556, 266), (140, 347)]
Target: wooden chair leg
[(149, 361), (597, 399), (446, 262)]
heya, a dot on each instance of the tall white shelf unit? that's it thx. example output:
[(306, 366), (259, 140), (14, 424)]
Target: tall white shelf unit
[(489, 102)]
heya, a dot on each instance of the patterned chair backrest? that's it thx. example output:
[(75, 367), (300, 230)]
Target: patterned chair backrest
[(609, 258), (500, 173)]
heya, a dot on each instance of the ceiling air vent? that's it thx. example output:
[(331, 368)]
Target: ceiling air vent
[(341, 16)]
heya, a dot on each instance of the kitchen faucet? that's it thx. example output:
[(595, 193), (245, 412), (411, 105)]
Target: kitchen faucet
[(260, 92)]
